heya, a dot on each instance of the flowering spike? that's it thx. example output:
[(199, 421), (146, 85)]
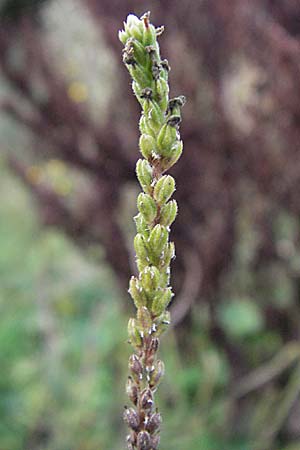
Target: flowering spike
[(161, 147)]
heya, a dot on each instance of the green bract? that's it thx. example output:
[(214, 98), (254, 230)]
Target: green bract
[(161, 147)]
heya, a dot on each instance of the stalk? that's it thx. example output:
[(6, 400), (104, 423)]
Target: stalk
[(161, 147)]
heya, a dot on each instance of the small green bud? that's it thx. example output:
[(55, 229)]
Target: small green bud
[(163, 103), (164, 276), (147, 144), (147, 207), (176, 152), (134, 27), (123, 36), (166, 139), (161, 301), (163, 89), (163, 322), (147, 124), (142, 126), (141, 224), (144, 320), (139, 52), (141, 264), (164, 189), (169, 254), (144, 174), (168, 213), (158, 240), (149, 36), (136, 32), (139, 75), (137, 91), (150, 278), (134, 334), (136, 292), (149, 32), (155, 115), (141, 248)]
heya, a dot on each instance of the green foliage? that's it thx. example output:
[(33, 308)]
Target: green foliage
[(57, 378), (241, 317)]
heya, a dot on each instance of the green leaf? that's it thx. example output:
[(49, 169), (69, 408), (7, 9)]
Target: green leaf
[(241, 317)]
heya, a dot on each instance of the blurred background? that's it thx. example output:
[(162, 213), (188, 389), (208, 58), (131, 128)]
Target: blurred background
[(69, 134)]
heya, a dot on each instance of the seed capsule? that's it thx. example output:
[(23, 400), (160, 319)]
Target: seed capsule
[(131, 418), (154, 345), (131, 440), (143, 441), (134, 334), (129, 445), (144, 319), (132, 390), (155, 442), (154, 423), (146, 399), (157, 373), (135, 367)]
